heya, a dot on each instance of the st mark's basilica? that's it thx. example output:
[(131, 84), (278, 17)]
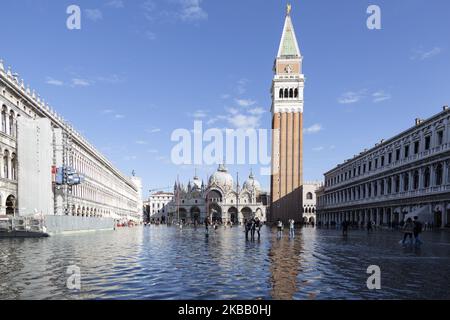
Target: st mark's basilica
[(221, 199)]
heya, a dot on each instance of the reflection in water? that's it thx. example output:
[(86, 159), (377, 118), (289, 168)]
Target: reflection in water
[(161, 262), (284, 266)]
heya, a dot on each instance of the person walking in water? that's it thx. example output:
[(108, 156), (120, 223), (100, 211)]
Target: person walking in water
[(279, 228), (369, 226), (345, 225), (253, 228), (291, 228), (418, 227), (247, 226), (206, 225), (258, 227), (408, 230)]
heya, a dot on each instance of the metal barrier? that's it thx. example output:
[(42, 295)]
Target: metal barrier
[(21, 224)]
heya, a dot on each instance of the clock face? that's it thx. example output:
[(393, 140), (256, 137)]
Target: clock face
[(288, 69)]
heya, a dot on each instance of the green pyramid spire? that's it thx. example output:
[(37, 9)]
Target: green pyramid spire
[(288, 46)]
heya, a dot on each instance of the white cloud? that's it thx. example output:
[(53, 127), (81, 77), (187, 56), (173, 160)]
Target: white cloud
[(54, 82), (112, 113), (148, 8), (421, 54), (182, 10), (77, 82), (233, 110), (113, 79), (130, 158), (315, 128), (80, 81), (245, 102), (141, 142), (225, 96), (150, 35), (242, 121), (153, 130), (242, 86), (380, 96), (117, 4), (215, 119), (199, 114), (94, 14), (318, 149), (192, 11), (257, 111), (152, 151), (352, 97)]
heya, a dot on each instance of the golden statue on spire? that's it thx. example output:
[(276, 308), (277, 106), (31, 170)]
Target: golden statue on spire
[(288, 9)]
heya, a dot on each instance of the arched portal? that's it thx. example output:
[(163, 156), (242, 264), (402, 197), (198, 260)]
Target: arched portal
[(182, 215), (214, 196), (195, 215), (247, 213), (233, 214), (215, 211), (11, 205)]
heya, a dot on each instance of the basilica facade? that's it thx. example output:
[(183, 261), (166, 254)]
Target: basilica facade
[(220, 199)]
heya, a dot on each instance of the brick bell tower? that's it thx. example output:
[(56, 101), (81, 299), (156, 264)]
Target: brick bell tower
[(287, 124)]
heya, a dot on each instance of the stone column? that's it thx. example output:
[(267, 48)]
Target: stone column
[(7, 131), (402, 181), (411, 181), (446, 172), (433, 175), (10, 167), (421, 179), (2, 174), (444, 215)]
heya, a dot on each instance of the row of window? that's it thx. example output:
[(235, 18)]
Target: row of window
[(94, 171), (410, 181), (309, 210), (11, 127), (91, 212), (393, 156), (90, 193), (288, 93)]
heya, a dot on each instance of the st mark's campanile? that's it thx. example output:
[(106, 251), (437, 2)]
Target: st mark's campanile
[(287, 124)]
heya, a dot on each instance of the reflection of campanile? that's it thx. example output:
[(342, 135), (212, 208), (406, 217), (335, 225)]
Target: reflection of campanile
[(287, 122)]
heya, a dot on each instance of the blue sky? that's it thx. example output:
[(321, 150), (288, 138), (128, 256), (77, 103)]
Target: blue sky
[(139, 69)]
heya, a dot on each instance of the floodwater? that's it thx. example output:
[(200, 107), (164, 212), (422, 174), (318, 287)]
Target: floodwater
[(161, 262)]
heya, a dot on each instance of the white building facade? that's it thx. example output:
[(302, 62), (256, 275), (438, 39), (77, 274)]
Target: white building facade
[(157, 204), (405, 176), (44, 141), (309, 201)]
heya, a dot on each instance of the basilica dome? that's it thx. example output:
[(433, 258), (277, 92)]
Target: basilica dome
[(252, 183), (221, 178)]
